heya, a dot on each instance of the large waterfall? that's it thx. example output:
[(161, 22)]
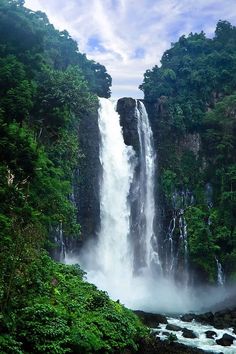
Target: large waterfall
[(123, 258), (114, 253)]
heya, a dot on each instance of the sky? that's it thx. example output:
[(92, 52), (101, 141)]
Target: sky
[(130, 36)]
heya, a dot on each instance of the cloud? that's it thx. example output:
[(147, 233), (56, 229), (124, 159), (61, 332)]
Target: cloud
[(129, 36)]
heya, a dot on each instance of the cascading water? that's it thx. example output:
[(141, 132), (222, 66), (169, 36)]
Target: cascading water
[(176, 243), (170, 256), (220, 273), (128, 220), (110, 260), (184, 244), (59, 253), (113, 250), (146, 186)]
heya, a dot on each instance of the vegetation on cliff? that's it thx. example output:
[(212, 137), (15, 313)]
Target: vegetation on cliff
[(195, 122), (46, 88)]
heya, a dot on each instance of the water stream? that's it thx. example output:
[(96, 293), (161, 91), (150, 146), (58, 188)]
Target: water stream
[(220, 273), (201, 341)]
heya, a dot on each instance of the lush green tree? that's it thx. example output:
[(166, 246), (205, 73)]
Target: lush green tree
[(193, 91)]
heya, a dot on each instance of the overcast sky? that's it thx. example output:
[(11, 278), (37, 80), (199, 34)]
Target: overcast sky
[(130, 36)]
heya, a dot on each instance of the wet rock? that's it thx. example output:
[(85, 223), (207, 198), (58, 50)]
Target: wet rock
[(128, 120), (164, 347), (188, 317), (226, 340), (86, 184), (233, 314), (223, 319), (207, 317), (165, 333), (188, 333), (220, 319), (211, 334), (151, 319), (172, 327)]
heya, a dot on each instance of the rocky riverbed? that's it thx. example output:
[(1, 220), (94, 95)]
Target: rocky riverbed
[(192, 333)]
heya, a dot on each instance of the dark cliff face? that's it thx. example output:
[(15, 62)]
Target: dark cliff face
[(126, 108), (173, 151), (86, 188)]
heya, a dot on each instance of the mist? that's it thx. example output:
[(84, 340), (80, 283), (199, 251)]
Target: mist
[(147, 292)]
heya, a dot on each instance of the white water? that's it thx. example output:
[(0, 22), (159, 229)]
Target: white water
[(184, 241), (59, 240), (220, 273), (201, 341), (147, 158), (170, 263), (114, 253)]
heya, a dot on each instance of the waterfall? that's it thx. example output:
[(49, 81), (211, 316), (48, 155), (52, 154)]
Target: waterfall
[(118, 165), (177, 247), (60, 251), (170, 256), (184, 245), (110, 264), (220, 273), (117, 173), (128, 220), (146, 185)]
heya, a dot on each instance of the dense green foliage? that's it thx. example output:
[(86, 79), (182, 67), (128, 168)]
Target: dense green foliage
[(56, 311), (46, 88), (194, 90)]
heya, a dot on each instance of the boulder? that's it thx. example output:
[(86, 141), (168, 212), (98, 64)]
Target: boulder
[(207, 317), (188, 333), (223, 319), (172, 327), (233, 314), (211, 334), (151, 319), (226, 340), (188, 317)]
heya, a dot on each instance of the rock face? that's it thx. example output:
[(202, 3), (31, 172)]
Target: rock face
[(86, 188), (128, 120), (226, 340), (150, 319), (207, 318), (220, 319), (163, 347), (188, 317)]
